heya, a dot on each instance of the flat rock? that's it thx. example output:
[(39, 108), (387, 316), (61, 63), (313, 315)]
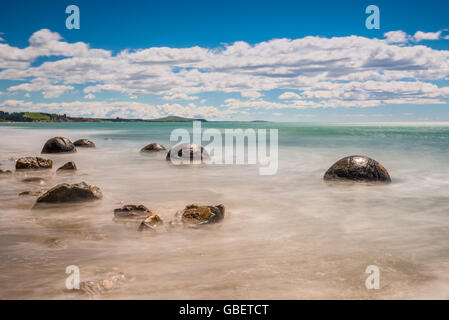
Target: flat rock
[(5, 172), (37, 180), (31, 193), (132, 211), (33, 163), (58, 145), (84, 143), (110, 282), (359, 169), (153, 147), (64, 192), (197, 215), (68, 166), (187, 152)]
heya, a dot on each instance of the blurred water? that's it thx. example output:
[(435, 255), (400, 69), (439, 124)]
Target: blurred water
[(286, 236)]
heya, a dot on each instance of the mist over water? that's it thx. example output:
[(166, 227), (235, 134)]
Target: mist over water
[(286, 236)]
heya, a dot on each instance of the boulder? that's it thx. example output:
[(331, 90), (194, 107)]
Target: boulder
[(357, 168), (64, 192), (132, 211), (152, 223), (84, 143), (153, 147), (196, 215), (192, 152), (58, 145), (33, 163), (68, 166)]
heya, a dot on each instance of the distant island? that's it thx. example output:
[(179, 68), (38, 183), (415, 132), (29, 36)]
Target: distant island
[(50, 117)]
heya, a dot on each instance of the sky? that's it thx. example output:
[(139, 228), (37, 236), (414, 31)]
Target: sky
[(227, 60)]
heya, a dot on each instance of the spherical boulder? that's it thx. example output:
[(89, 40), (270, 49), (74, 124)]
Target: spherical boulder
[(33, 163), (58, 145), (84, 143), (68, 166), (187, 152), (153, 147), (64, 192), (357, 168)]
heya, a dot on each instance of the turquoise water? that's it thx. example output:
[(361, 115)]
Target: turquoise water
[(288, 235)]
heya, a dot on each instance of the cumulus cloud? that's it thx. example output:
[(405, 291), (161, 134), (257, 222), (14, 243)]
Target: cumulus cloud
[(349, 71), (289, 95), (420, 35)]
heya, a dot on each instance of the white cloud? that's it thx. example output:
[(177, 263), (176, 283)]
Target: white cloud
[(289, 95), (396, 37), (347, 71), (277, 114), (420, 35)]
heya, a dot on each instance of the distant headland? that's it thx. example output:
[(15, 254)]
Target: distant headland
[(50, 117)]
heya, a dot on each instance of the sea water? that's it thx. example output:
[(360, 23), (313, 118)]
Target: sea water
[(285, 236)]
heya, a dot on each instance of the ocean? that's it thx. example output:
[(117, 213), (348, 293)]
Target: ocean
[(285, 236)]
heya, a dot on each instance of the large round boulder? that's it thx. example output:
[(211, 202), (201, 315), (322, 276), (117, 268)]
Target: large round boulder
[(84, 143), (187, 152), (33, 163), (153, 147), (58, 145), (64, 192), (357, 168)]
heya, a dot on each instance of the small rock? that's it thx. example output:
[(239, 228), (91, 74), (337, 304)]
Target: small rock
[(132, 211), (191, 151), (153, 147), (357, 168), (64, 192), (5, 172), (153, 223), (37, 180), (195, 214), (95, 287), (68, 166), (58, 145), (33, 163), (84, 143), (31, 193)]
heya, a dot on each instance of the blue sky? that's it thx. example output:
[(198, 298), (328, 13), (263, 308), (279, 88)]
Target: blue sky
[(242, 60)]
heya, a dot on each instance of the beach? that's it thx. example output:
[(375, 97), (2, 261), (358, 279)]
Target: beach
[(285, 236)]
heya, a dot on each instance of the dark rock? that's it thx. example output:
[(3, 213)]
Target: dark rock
[(96, 287), (31, 193), (152, 223), (5, 172), (84, 143), (68, 166), (357, 168), (33, 163), (196, 215), (58, 145), (37, 180), (153, 147), (132, 211), (70, 193), (194, 152)]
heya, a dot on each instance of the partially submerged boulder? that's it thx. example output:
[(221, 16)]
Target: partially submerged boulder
[(152, 223), (58, 145), (132, 211), (153, 147), (197, 215), (5, 172), (187, 152), (84, 143), (68, 166), (37, 180), (64, 192), (33, 163), (357, 168)]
